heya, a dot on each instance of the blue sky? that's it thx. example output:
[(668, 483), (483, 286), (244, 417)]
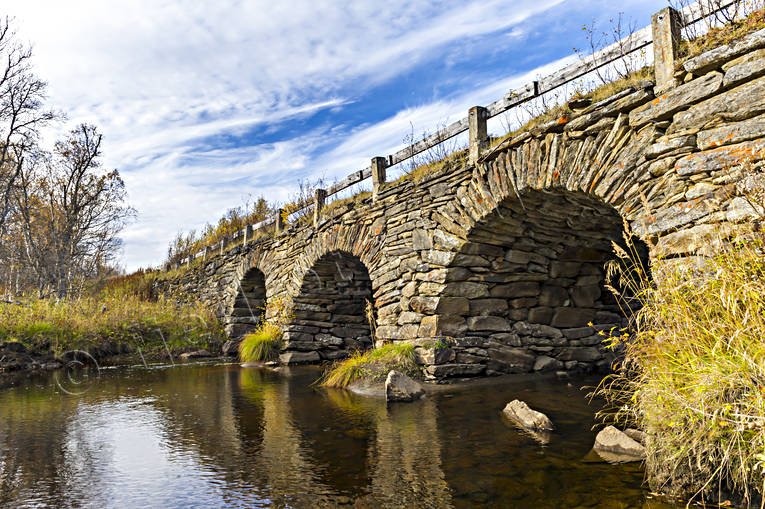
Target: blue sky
[(203, 104)]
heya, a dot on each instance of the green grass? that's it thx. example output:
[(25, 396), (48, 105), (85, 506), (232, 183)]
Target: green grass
[(118, 312), (693, 377), (372, 365), (262, 345)]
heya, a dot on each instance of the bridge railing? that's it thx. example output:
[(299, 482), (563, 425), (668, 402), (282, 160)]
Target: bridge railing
[(663, 33)]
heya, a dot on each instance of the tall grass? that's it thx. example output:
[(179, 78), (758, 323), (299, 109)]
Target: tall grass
[(693, 376), (118, 313), (262, 345), (372, 365)]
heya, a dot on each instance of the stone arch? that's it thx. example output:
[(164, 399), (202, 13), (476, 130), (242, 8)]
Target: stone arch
[(525, 275), (330, 319), (247, 309)]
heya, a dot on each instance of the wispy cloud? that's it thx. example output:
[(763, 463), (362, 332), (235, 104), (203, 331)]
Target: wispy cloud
[(203, 103)]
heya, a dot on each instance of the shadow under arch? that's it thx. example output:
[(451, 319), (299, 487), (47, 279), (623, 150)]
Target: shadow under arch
[(526, 291), (249, 304), (330, 310)]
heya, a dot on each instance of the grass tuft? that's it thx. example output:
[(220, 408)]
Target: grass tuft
[(372, 365), (262, 345), (693, 377)]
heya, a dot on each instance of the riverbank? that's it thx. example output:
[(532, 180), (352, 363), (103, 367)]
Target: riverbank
[(116, 318)]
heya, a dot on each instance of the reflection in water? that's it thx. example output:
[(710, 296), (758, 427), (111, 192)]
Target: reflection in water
[(213, 435)]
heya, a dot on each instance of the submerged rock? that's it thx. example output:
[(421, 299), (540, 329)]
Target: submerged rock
[(527, 418), (616, 446), (399, 387)]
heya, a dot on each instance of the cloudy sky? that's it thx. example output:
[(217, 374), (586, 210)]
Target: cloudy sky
[(204, 103)]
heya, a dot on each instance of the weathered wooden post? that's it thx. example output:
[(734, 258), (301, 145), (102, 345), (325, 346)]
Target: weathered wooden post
[(279, 225), (378, 175), (478, 136), (247, 234), (319, 197), (665, 26), (205, 252)]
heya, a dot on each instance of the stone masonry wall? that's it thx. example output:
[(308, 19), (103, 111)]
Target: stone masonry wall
[(503, 260)]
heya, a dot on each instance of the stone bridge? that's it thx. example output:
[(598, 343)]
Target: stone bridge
[(503, 256)]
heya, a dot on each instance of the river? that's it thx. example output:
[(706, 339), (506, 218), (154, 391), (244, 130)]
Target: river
[(213, 435)]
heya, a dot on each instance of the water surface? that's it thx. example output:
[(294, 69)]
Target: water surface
[(221, 435)]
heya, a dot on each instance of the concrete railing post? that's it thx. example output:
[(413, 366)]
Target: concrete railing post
[(378, 175), (478, 136), (205, 252), (665, 26), (279, 225), (319, 198)]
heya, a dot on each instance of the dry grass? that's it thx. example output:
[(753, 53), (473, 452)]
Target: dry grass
[(693, 377), (262, 345), (354, 200), (372, 365), (720, 36), (89, 323), (454, 160)]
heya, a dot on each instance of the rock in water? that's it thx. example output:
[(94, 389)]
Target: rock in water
[(527, 418), (399, 387), (616, 446), (636, 435)]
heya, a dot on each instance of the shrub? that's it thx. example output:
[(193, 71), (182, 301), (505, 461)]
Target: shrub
[(693, 377), (262, 345), (372, 365)]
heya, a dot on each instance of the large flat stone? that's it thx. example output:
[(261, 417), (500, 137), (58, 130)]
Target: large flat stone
[(729, 134), (676, 99), (455, 370), (747, 67), (489, 323), (466, 289), (720, 158), (572, 317), (740, 103), (291, 358)]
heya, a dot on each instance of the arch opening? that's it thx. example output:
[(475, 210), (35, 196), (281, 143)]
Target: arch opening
[(330, 311), (527, 291), (249, 305)]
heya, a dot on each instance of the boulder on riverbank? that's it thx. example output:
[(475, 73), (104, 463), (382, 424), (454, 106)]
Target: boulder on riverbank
[(399, 387), (520, 413), (617, 447), (197, 354)]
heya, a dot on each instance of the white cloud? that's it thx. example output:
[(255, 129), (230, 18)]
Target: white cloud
[(161, 78)]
